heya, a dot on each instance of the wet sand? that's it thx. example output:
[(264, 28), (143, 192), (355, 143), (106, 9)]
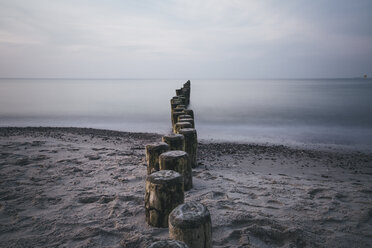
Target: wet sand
[(76, 187)]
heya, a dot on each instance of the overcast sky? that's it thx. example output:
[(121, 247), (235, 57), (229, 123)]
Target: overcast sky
[(186, 38)]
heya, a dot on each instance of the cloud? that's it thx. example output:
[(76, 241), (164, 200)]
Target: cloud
[(211, 38)]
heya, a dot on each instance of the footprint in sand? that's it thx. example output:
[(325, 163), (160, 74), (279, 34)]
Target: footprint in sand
[(313, 192), (215, 195), (39, 158), (37, 143), (99, 149), (73, 149), (70, 161), (274, 202), (239, 238), (271, 235), (96, 198), (22, 161), (92, 157), (205, 176), (88, 199), (366, 191), (89, 232)]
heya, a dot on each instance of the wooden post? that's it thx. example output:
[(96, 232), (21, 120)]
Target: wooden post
[(181, 106), (164, 192), (173, 111), (168, 244), (191, 143), (191, 223), (179, 92), (186, 93), (178, 161), (183, 99), (175, 141), (153, 152), (189, 112), (174, 103), (180, 125), (175, 115), (190, 120), (184, 116)]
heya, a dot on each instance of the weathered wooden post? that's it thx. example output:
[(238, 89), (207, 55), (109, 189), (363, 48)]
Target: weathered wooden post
[(184, 116), (189, 112), (183, 99), (164, 192), (191, 143), (175, 141), (186, 91), (181, 107), (175, 103), (175, 115), (178, 161), (180, 125), (179, 92), (186, 94), (190, 120), (191, 223), (187, 84), (153, 152), (168, 244)]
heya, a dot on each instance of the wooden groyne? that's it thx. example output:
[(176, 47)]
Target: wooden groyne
[(164, 191)]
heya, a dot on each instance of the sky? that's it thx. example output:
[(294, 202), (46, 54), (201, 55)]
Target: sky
[(223, 39)]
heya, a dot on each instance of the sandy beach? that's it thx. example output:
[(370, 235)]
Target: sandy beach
[(77, 187)]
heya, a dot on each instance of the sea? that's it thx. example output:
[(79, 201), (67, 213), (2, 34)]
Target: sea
[(319, 113)]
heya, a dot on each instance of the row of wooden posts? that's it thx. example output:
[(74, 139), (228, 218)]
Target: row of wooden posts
[(169, 174)]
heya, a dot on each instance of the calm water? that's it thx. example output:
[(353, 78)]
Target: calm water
[(292, 112)]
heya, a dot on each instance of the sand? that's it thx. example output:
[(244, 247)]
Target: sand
[(75, 187)]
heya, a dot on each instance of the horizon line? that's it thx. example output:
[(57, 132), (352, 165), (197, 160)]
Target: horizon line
[(123, 78)]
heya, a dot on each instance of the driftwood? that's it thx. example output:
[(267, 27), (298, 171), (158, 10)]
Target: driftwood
[(191, 223), (164, 192), (178, 161)]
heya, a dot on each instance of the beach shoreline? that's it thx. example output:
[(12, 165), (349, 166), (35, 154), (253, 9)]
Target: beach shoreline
[(85, 187)]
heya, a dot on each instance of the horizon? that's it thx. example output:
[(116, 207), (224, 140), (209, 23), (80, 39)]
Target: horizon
[(107, 78)]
